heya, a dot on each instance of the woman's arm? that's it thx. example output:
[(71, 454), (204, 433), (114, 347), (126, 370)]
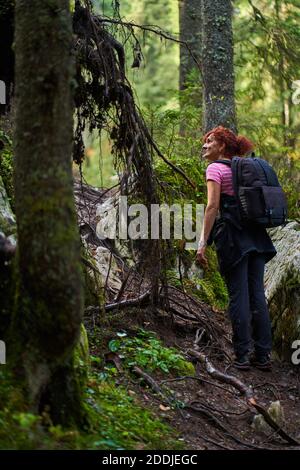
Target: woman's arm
[(211, 211)]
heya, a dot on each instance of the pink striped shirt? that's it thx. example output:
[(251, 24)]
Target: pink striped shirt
[(221, 174)]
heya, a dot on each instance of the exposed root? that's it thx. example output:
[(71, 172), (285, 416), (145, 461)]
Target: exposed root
[(244, 390)]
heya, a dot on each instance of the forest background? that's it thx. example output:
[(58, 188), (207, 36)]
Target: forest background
[(42, 288), (266, 67)]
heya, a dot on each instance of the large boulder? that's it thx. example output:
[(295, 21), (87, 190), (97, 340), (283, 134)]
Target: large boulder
[(282, 284)]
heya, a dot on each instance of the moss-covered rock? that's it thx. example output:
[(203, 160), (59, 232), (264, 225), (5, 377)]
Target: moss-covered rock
[(93, 281), (82, 357), (6, 167), (7, 219), (282, 282), (206, 284)]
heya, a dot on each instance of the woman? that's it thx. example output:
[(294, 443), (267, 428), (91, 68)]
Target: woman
[(242, 252)]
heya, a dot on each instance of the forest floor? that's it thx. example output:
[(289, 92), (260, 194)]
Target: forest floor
[(206, 412), (224, 419)]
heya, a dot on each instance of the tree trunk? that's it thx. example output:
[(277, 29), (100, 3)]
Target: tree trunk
[(217, 65), (190, 32), (50, 298)]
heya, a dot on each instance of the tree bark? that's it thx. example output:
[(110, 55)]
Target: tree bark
[(217, 65), (47, 320), (190, 32)]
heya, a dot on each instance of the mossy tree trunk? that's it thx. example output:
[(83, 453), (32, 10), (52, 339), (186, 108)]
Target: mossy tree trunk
[(190, 32), (50, 296), (217, 64)]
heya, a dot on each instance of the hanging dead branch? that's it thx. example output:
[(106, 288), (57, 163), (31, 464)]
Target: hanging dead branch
[(104, 101)]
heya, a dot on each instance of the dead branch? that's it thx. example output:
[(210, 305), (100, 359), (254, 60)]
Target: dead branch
[(153, 29), (153, 384), (124, 283), (128, 302), (218, 424), (168, 162), (244, 390), (218, 410), (215, 443), (278, 429)]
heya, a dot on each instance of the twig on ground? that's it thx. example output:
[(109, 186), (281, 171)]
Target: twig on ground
[(244, 390), (215, 443), (154, 385)]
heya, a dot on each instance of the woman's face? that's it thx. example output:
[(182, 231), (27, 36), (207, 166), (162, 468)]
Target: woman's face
[(212, 149)]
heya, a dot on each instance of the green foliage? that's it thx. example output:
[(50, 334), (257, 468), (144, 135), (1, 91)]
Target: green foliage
[(183, 150), (118, 421), (124, 424), (146, 351), (210, 287), (6, 166), (158, 73), (98, 165), (267, 58), (213, 288)]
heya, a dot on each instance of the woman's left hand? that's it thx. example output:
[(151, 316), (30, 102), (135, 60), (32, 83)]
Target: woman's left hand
[(201, 258)]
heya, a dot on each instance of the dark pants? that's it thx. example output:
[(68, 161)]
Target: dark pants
[(248, 309)]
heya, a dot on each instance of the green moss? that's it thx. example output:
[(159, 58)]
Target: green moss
[(124, 424), (210, 288), (117, 421), (285, 313), (93, 287), (7, 228), (81, 357), (213, 287), (6, 167)]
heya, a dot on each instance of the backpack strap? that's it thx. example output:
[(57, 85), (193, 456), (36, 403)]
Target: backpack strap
[(234, 164), (226, 162), (235, 169)]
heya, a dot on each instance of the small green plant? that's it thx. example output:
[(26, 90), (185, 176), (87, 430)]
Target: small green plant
[(147, 352)]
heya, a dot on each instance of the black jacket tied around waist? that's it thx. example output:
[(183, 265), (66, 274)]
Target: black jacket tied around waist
[(233, 240)]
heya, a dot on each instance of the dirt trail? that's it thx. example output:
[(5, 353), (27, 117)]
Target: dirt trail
[(224, 419), (215, 416)]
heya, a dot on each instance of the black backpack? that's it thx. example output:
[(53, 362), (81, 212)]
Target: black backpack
[(260, 198)]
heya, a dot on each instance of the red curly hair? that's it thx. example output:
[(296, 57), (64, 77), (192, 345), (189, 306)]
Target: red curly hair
[(234, 145)]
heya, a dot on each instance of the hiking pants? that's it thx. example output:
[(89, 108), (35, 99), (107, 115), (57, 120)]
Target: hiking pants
[(248, 309)]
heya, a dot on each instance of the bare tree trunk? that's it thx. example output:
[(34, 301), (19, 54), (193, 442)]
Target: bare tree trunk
[(190, 32), (217, 64), (50, 298)]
